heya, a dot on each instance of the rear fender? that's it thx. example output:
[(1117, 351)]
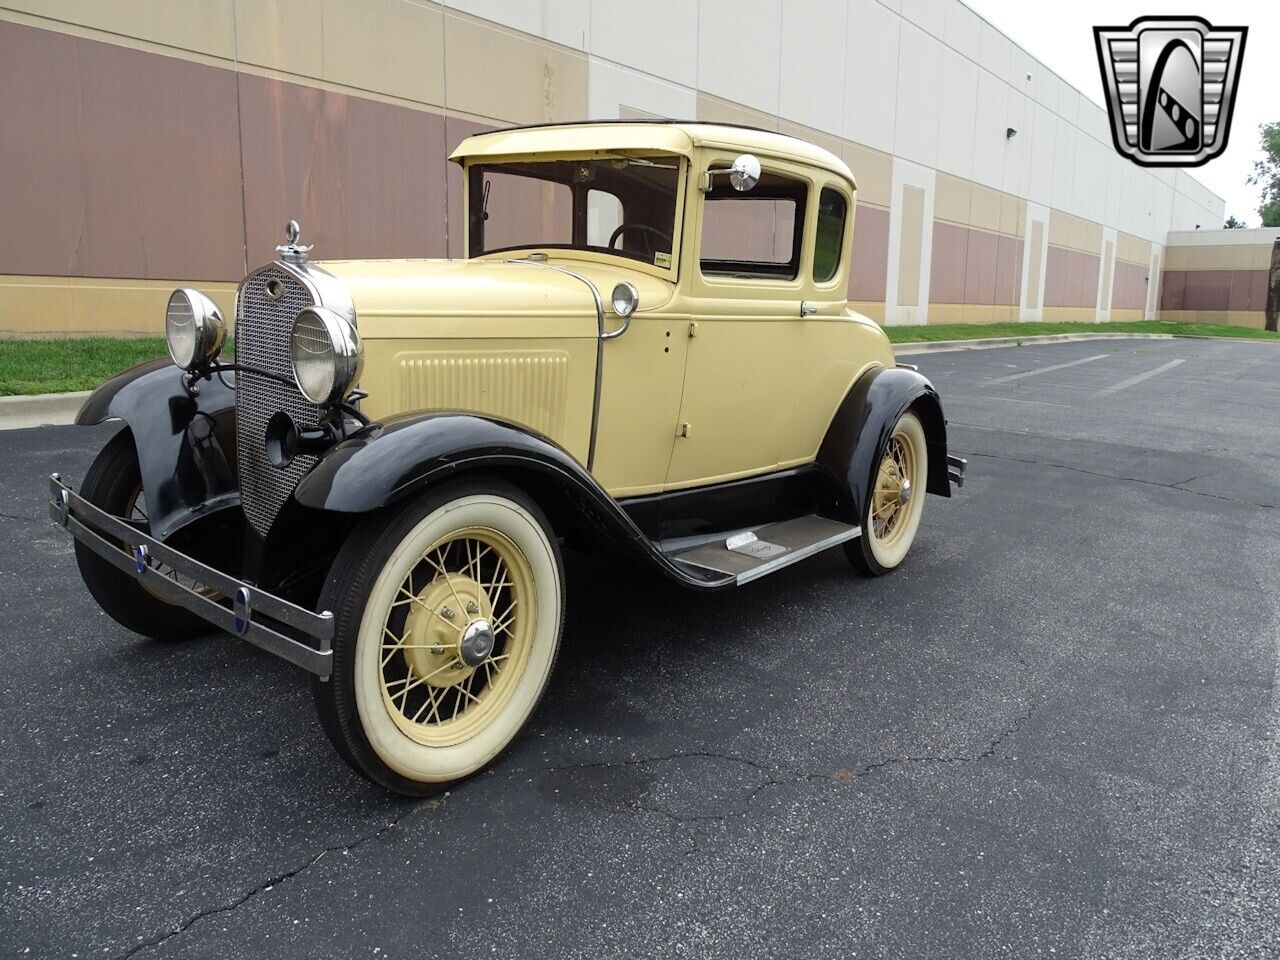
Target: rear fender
[(185, 439), (863, 424)]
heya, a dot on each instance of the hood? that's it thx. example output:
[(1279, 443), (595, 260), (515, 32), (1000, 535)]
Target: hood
[(390, 294)]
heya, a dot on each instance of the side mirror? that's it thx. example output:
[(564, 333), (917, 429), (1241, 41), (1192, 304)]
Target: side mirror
[(745, 173)]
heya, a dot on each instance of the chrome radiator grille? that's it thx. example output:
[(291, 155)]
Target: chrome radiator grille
[(262, 340)]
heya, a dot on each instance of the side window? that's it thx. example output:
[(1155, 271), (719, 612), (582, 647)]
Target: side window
[(753, 235), (832, 212)]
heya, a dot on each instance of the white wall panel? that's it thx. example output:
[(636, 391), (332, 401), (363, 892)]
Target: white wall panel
[(739, 50), (814, 62), (1017, 152), (962, 30), (919, 85), (957, 101), (660, 37), (991, 147), (1064, 157), (996, 53), (566, 22), (928, 15), (611, 87), (1043, 132), (871, 74)]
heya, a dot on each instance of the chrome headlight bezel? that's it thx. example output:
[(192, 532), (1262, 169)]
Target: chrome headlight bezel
[(329, 341), (624, 299), (194, 328)]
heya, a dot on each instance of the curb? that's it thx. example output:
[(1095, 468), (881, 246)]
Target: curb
[(40, 410), (941, 346)]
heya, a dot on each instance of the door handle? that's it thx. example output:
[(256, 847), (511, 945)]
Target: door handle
[(808, 309)]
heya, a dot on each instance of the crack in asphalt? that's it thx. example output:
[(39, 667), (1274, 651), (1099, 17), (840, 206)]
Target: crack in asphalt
[(18, 516), (839, 776), (1111, 476), (277, 879), (739, 808)]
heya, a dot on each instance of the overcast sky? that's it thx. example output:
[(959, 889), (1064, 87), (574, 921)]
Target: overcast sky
[(1060, 35)]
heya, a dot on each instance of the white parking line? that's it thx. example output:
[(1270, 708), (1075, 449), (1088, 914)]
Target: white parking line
[(1124, 384), (1039, 370)]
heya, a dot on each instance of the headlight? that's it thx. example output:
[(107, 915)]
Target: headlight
[(625, 299), (194, 329), (326, 354)]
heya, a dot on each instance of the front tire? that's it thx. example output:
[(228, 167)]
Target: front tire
[(114, 483), (448, 621), (895, 501)]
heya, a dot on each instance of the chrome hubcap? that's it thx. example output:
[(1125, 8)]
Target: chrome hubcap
[(477, 643)]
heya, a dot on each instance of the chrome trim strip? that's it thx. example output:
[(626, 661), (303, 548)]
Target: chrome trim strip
[(797, 555), (87, 524)]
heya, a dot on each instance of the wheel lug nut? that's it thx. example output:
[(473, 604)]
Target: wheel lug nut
[(472, 607), (446, 613)]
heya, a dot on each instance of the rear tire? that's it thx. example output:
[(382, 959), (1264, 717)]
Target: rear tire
[(890, 522), (409, 705), (114, 484)]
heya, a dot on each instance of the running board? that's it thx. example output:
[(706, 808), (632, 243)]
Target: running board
[(751, 554)]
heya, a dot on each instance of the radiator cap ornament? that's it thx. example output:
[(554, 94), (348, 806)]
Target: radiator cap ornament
[(291, 251)]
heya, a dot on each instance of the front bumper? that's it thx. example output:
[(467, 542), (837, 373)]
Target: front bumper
[(956, 467), (285, 629)]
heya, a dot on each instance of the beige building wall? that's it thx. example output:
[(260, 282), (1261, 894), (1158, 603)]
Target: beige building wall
[(151, 142)]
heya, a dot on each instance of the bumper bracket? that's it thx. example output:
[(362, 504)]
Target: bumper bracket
[(293, 633)]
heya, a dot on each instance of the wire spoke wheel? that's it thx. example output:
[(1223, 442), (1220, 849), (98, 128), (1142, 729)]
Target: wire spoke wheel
[(457, 635), (895, 501), (893, 490)]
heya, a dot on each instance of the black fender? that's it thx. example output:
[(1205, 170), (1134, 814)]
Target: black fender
[(384, 464), (185, 439), (858, 432)]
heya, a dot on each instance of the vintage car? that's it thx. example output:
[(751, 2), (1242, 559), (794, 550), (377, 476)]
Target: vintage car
[(647, 352)]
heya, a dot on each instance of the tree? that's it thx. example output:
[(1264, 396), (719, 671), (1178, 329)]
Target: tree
[(1233, 224), (1266, 174)]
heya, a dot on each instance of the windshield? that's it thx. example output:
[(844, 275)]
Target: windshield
[(623, 205)]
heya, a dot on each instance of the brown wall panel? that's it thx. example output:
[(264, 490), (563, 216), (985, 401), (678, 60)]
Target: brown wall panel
[(947, 263), (870, 271), (1258, 283), (116, 162), (1207, 290), (364, 178), (1173, 289), (980, 268), (1238, 294), (1008, 271), (1071, 278)]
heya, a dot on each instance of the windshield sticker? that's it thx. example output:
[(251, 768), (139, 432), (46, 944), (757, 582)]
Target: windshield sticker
[(661, 259)]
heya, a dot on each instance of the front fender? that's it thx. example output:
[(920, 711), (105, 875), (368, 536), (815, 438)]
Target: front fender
[(386, 463), (185, 443), (863, 424)]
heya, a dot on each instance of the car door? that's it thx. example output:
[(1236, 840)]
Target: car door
[(744, 259)]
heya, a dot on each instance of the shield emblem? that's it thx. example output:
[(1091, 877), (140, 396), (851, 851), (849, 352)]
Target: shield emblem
[(1171, 86)]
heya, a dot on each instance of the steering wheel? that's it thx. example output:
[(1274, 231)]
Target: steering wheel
[(642, 228)]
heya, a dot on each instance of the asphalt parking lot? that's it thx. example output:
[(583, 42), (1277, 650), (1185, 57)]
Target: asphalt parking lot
[(1056, 731)]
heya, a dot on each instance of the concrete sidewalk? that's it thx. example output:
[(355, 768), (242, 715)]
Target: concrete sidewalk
[(40, 409)]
